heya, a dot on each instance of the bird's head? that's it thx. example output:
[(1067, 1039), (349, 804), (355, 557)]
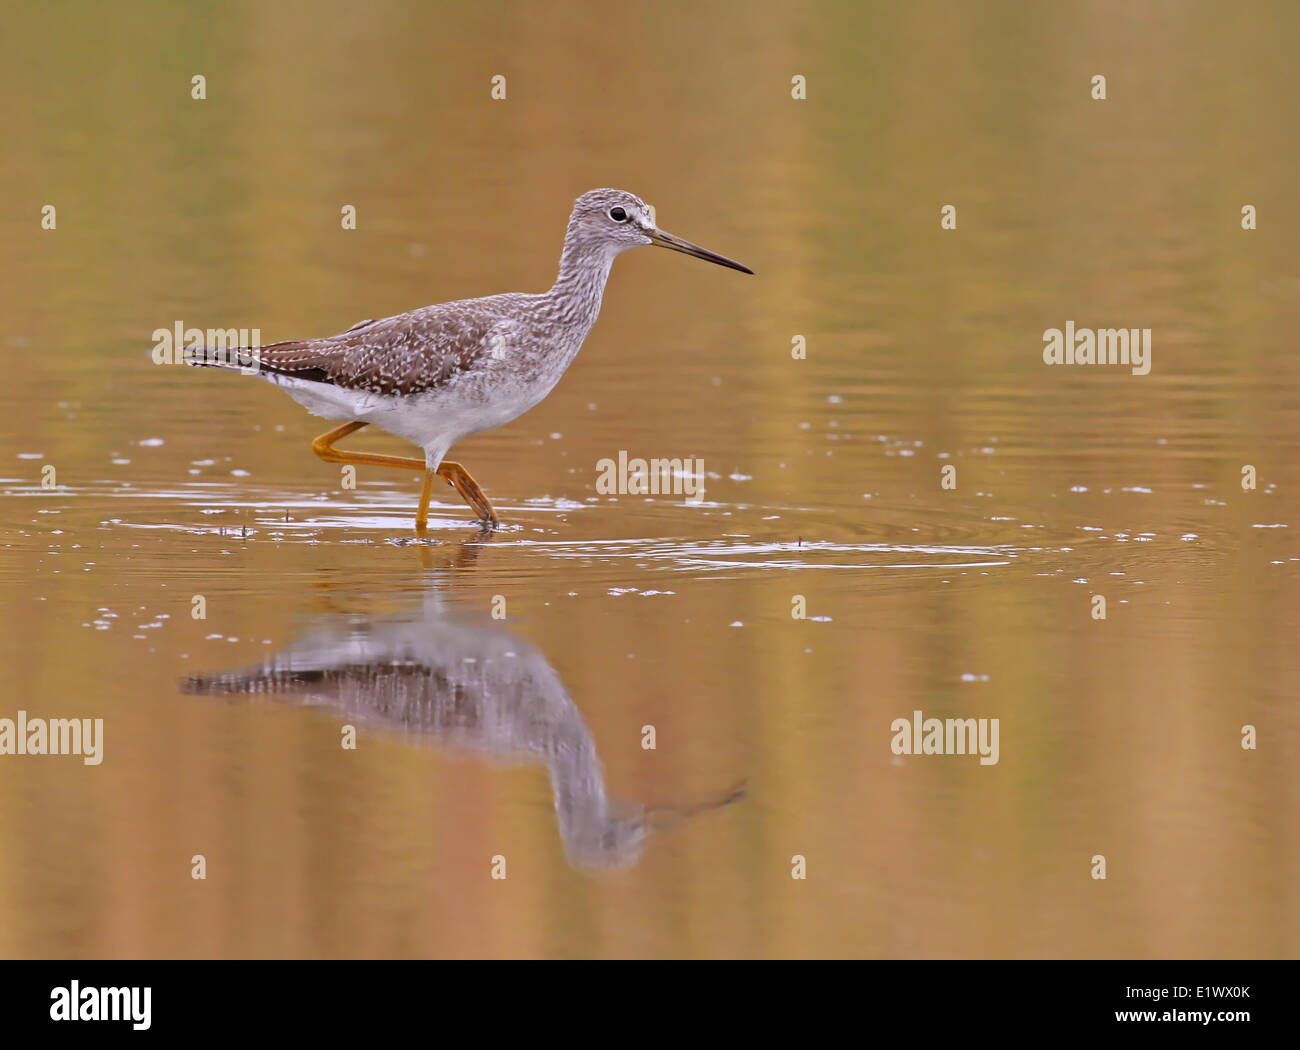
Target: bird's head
[(615, 220)]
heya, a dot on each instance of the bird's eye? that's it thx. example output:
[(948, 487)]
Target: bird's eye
[(618, 214)]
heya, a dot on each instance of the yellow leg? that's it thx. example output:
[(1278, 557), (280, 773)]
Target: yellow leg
[(422, 515), (323, 446), (458, 478), (453, 473)]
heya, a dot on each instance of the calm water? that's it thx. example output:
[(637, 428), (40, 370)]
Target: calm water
[(521, 737)]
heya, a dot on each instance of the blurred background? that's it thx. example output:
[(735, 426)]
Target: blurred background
[(1118, 737)]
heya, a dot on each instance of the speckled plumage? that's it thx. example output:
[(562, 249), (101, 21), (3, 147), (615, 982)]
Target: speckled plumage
[(466, 686), (440, 373)]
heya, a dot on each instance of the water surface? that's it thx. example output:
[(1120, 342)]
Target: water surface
[(223, 735)]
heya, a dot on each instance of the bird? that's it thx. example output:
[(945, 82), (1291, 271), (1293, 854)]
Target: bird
[(440, 373), (468, 686)]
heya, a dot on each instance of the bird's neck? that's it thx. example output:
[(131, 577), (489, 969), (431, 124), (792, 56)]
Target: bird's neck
[(577, 292)]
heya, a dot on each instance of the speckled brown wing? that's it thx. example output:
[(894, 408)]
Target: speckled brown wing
[(398, 694), (407, 354)]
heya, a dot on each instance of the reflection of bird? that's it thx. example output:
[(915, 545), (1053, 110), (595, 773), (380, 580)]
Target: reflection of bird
[(441, 373), (476, 688)]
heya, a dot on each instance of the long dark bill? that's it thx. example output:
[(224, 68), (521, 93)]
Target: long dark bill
[(667, 240)]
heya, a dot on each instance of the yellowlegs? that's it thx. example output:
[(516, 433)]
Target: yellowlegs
[(440, 373), (470, 687)]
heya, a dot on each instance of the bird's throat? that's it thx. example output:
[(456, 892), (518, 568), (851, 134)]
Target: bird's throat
[(577, 292)]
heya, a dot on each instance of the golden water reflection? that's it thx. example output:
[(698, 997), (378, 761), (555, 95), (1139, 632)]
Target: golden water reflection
[(469, 687), (1118, 737)]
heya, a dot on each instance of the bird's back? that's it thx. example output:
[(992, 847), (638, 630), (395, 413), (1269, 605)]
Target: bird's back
[(411, 353)]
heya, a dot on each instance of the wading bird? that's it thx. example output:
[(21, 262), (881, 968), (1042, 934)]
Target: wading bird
[(469, 687), (440, 373)]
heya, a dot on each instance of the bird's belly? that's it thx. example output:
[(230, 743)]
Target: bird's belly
[(438, 419), (433, 419), (320, 399)]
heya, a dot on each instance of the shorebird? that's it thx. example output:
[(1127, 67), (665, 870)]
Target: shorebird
[(440, 373), (469, 687)]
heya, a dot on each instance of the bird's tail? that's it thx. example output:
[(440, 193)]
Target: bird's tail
[(254, 682), (246, 359)]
